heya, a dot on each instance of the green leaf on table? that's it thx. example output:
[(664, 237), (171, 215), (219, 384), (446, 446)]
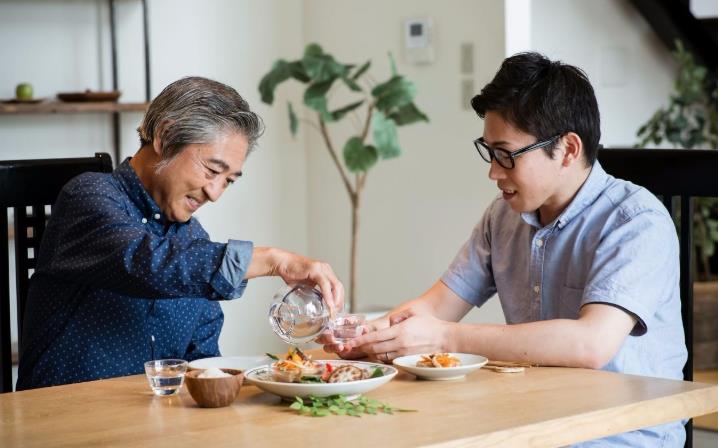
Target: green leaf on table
[(385, 136), (293, 121), (359, 157)]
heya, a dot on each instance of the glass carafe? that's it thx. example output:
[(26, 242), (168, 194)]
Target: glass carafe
[(298, 314)]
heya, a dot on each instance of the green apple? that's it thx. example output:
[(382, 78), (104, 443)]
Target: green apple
[(24, 91)]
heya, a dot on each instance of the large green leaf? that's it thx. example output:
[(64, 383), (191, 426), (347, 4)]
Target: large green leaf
[(315, 98), (385, 136), (359, 157), (279, 73), (339, 113), (394, 94), (297, 71), (366, 66), (408, 114), (313, 49), (293, 121)]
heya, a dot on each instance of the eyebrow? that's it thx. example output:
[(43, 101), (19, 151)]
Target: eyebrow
[(222, 164)]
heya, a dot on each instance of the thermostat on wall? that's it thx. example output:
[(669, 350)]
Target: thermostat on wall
[(417, 39)]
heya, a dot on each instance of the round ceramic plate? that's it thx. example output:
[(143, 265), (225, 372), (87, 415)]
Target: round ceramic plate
[(261, 378), (243, 363), (469, 363)]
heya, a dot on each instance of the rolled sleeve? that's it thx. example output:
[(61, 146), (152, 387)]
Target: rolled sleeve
[(635, 268), (229, 281)]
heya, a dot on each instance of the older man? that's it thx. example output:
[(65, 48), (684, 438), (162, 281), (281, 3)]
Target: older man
[(124, 270)]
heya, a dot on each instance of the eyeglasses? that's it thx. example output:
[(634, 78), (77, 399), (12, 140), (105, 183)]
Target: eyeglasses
[(507, 159)]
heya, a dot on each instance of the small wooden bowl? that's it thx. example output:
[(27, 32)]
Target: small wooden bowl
[(214, 392)]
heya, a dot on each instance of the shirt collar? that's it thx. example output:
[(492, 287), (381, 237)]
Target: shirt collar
[(136, 191), (586, 195)]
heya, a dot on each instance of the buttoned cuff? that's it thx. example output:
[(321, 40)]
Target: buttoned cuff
[(229, 281)]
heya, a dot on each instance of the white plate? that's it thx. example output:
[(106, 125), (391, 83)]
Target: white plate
[(243, 363), (260, 378), (469, 363)]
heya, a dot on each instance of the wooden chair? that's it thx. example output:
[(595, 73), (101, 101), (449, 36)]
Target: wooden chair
[(29, 187), (675, 176)]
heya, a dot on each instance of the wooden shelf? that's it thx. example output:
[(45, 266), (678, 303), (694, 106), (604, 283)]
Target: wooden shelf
[(57, 107)]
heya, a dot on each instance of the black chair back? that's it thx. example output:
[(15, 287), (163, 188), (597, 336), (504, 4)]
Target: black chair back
[(676, 176), (29, 188)]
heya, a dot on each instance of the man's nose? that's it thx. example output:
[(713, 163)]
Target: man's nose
[(213, 190), (496, 171)]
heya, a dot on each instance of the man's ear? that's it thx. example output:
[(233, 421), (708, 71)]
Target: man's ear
[(573, 149), (157, 138)]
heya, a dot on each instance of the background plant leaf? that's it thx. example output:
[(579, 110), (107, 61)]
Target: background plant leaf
[(394, 94), (293, 121), (385, 136), (279, 73), (359, 157), (407, 114), (339, 113)]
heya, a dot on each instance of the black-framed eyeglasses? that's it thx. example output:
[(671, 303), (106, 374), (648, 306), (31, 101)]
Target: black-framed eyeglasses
[(507, 159)]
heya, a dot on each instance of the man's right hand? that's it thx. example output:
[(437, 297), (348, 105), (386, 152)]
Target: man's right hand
[(294, 269)]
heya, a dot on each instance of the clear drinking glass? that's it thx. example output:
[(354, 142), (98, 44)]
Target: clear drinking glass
[(166, 375), (347, 326), (298, 314)]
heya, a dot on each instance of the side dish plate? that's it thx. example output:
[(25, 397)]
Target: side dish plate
[(469, 363)]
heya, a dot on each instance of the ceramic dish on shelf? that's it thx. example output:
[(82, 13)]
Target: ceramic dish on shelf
[(469, 363), (262, 378), (89, 96)]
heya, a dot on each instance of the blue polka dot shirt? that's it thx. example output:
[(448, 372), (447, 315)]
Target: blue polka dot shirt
[(112, 272)]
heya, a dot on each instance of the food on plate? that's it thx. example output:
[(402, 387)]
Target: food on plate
[(298, 367), (439, 360), (346, 373), (295, 366), (213, 372)]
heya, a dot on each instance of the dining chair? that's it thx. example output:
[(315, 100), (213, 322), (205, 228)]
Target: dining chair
[(29, 188), (675, 176)]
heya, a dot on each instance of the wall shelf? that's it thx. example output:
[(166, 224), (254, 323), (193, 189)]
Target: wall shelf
[(59, 107)]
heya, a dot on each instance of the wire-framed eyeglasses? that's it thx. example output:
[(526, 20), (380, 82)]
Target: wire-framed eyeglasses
[(507, 159)]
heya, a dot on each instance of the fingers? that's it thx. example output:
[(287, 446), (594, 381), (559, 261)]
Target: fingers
[(400, 316), (367, 340)]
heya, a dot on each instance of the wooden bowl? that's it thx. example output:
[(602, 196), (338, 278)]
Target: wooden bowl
[(214, 392)]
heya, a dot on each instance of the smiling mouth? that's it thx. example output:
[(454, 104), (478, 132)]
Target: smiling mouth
[(193, 203)]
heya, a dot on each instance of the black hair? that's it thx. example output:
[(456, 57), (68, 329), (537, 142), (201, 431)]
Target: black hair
[(543, 98)]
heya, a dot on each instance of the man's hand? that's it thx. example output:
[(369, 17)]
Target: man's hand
[(409, 333), (294, 269)]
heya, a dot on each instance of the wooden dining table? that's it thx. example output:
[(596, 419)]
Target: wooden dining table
[(540, 407)]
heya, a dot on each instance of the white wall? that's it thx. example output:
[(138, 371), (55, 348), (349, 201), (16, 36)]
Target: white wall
[(63, 46), (420, 207), (631, 71)]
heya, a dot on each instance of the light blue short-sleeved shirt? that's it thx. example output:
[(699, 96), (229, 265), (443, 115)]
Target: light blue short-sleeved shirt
[(614, 244)]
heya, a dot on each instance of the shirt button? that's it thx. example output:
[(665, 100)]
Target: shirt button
[(157, 216), (144, 220), (539, 242), (537, 289)]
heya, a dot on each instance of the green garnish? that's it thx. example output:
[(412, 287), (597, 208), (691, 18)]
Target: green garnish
[(339, 405), (311, 379), (377, 373), (272, 356)]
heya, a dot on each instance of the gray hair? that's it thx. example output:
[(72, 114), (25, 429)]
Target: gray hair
[(197, 110)]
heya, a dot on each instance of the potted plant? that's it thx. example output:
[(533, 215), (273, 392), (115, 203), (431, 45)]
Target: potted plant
[(690, 120), (385, 106)]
